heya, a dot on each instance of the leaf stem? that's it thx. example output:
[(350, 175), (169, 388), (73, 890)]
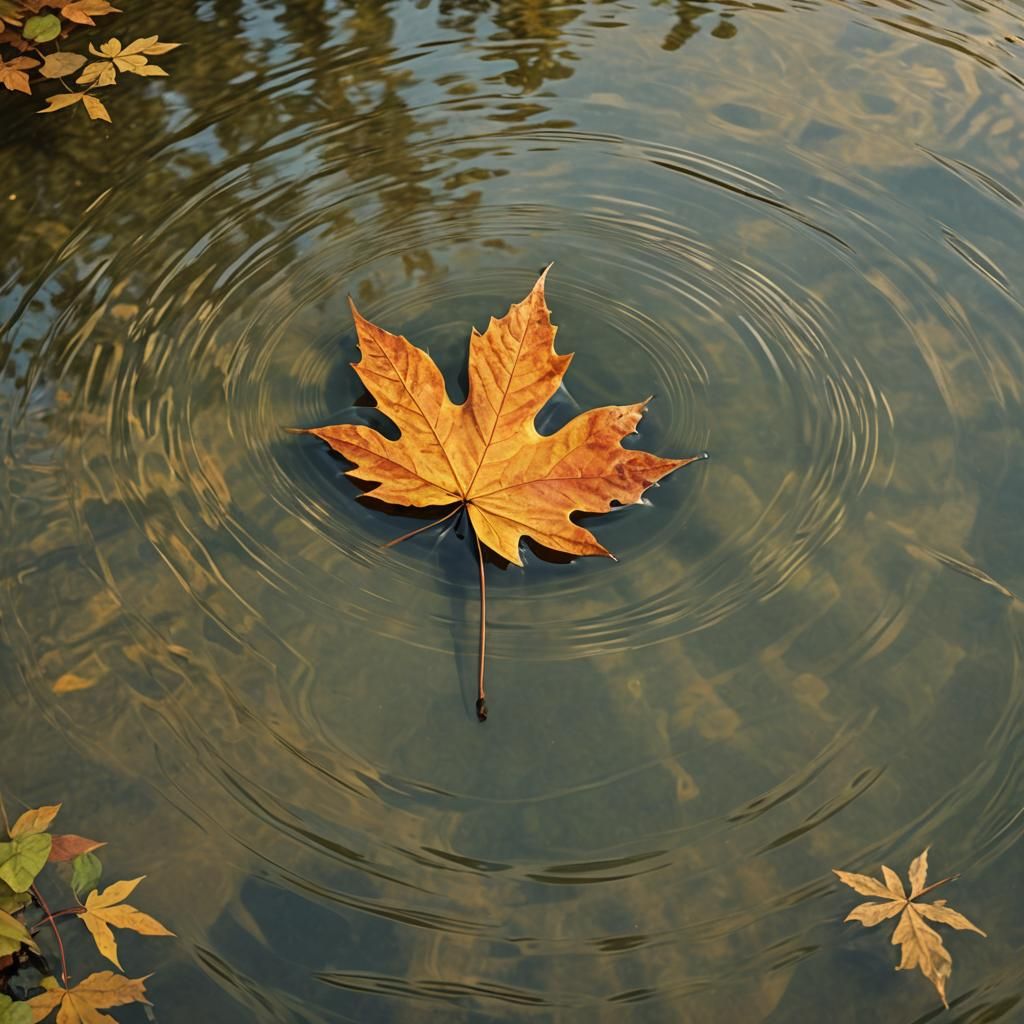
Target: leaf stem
[(57, 913), (56, 931), (481, 702), (412, 533), (935, 885)]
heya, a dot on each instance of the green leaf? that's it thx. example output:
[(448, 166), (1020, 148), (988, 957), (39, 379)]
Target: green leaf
[(14, 935), (10, 901), (22, 859), (85, 873), (14, 1013), (42, 28)]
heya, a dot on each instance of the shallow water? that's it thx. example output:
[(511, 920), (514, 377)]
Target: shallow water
[(798, 226)]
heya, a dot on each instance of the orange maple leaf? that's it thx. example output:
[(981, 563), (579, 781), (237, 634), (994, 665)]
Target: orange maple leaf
[(485, 455), (12, 74)]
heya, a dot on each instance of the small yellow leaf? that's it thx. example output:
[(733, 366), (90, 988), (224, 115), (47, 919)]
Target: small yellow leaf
[(126, 62), (158, 48), (870, 914), (893, 883), (863, 884), (33, 822), (148, 71), (105, 909), (139, 45), (95, 108), (100, 72), (60, 101), (113, 893)]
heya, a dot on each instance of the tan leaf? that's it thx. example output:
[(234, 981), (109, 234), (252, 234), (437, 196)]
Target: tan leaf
[(12, 74), (95, 108), (59, 102), (69, 682), (111, 48), (70, 846), (139, 45), (918, 873), (80, 1004), (920, 945), (863, 884), (57, 65), (147, 71), (893, 883), (870, 914), (105, 909), (83, 11), (156, 49), (100, 72), (130, 61), (938, 911), (31, 823)]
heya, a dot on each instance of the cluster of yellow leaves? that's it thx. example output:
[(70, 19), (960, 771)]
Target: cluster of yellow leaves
[(133, 58), (921, 945), (27, 24), (31, 845)]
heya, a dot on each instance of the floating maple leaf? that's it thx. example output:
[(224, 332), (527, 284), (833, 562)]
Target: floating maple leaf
[(80, 1004), (485, 456), (921, 944), (103, 909)]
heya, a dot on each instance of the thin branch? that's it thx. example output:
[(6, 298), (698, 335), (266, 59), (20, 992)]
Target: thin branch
[(3, 815), (935, 885), (55, 914), (412, 533), (56, 931), (481, 702)]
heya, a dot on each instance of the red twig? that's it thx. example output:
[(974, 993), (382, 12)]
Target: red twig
[(56, 931), (481, 703), (67, 911)]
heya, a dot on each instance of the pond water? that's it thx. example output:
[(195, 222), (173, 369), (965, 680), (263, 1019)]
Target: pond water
[(798, 226)]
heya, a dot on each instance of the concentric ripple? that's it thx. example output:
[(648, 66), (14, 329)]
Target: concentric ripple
[(796, 229)]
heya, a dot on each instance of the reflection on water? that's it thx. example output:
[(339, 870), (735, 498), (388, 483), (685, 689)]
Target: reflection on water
[(796, 224)]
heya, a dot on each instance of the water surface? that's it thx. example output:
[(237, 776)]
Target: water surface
[(798, 226)]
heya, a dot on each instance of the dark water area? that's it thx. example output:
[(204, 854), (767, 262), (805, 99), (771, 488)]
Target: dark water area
[(798, 225)]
